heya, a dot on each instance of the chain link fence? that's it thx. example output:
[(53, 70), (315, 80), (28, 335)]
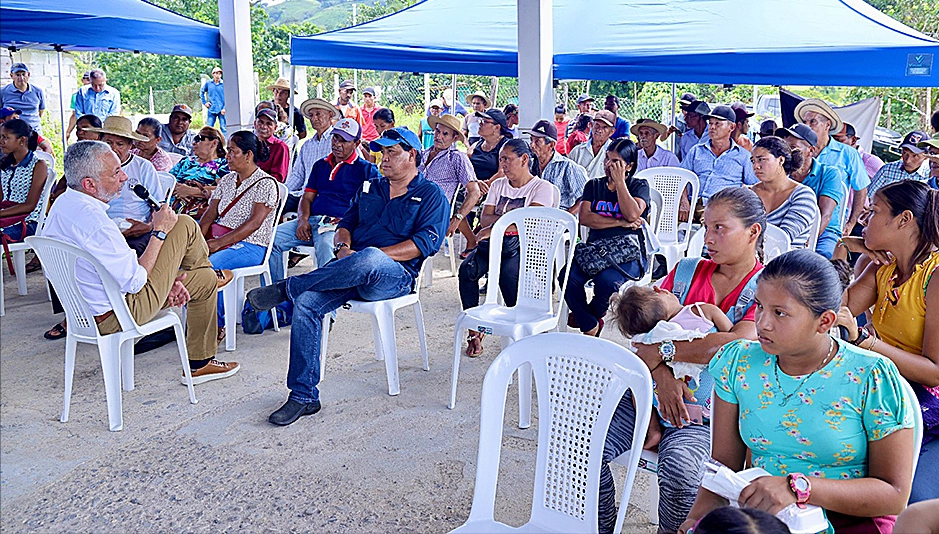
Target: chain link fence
[(161, 101)]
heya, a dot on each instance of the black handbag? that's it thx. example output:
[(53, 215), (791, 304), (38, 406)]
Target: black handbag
[(608, 252)]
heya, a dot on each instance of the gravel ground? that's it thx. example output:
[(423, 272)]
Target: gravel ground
[(367, 462)]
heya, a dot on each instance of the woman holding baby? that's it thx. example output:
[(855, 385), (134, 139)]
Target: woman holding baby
[(827, 420)]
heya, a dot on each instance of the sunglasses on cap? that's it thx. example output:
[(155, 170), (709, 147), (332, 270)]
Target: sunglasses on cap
[(391, 134), (200, 138)]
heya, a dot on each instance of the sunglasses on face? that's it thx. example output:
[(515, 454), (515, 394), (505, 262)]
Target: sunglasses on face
[(200, 138)]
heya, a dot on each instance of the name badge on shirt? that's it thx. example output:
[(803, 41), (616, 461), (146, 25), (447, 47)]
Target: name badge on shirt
[(366, 186), (416, 199)]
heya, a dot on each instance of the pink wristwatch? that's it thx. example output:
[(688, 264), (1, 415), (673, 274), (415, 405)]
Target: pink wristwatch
[(801, 486)]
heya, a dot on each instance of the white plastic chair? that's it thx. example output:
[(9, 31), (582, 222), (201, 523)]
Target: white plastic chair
[(117, 355), (917, 420), (696, 244), (540, 231), (580, 381), (813, 231), (18, 250), (671, 183), (383, 327), (168, 183), (233, 294), (775, 242)]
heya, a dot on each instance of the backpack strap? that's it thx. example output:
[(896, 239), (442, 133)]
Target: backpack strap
[(684, 273), (745, 300)]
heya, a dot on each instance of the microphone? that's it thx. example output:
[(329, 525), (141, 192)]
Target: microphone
[(143, 193)]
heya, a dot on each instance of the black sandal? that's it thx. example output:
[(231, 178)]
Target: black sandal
[(56, 332)]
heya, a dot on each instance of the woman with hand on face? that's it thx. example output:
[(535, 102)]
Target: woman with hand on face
[(900, 287), (519, 188), (829, 422), (613, 208), (150, 150), (733, 220), (197, 175), (789, 204), (22, 177), (238, 224)]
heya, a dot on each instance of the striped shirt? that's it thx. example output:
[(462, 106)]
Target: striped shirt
[(796, 214), (567, 176), (731, 169), (894, 172)]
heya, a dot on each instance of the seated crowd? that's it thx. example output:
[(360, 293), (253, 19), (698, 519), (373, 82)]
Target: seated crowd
[(826, 417)]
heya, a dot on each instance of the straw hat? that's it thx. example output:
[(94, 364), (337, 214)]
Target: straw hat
[(648, 123), (310, 104), (450, 122), (822, 108), (119, 126), (480, 94), (281, 83)]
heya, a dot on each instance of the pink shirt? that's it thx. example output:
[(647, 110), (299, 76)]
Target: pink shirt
[(872, 163)]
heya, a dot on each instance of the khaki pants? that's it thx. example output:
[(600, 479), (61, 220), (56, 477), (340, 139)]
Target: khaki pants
[(184, 250)]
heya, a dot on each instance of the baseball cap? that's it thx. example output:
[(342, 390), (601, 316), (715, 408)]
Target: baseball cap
[(496, 115), (934, 143), (687, 99), (545, 129), (606, 116), (912, 139), (436, 103), (849, 130), (346, 84), (368, 91), (266, 112), (216, 69), (7, 112), (699, 107), (724, 113), (87, 74), (18, 67), (348, 129), (799, 131), (768, 127), (184, 109), (584, 98), (396, 136)]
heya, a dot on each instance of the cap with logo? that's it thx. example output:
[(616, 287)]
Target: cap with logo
[(396, 136), (545, 129), (911, 141), (347, 129), (182, 108)]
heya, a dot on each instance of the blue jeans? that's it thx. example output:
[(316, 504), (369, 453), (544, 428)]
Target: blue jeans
[(241, 254), (826, 244), (605, 283), (211, 118), (367, 274), (286, 238), (15, 233), (926, 478)]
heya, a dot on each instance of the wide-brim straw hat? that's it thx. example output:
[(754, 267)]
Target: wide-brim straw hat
[(310, 104), (119, 126), (648, 123), (480, 94), (449, 121), (281, 83), (822, 108)]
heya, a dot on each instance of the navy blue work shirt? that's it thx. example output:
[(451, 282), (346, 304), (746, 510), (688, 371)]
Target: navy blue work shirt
[(377, 220)]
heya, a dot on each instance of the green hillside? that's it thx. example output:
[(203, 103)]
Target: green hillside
[(328, 14)]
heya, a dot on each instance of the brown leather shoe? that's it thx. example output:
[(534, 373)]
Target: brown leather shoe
[(214, 370), (224, 276)]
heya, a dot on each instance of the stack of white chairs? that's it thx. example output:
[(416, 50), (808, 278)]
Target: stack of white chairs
[(672, 231), (579, 381)]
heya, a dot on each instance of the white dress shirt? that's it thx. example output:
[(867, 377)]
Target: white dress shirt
[(129, 205), (82, 220), (584, 156), (315, 148)]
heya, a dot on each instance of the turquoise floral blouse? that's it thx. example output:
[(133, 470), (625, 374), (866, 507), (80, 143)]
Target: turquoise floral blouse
[(826, 424)]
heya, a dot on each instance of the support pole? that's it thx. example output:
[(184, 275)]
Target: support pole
[(61, 100), (234, 22), (673, 121), (535, 61)]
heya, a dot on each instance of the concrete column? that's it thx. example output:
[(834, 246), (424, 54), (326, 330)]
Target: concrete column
[(535, 62), (234, 22)]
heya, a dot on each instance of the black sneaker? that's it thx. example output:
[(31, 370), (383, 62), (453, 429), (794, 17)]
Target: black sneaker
[(267, 297), (293, 410)]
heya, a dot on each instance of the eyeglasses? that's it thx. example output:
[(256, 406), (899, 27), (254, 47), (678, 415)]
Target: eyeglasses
[(395, 136), (200, 138), (489, 122)]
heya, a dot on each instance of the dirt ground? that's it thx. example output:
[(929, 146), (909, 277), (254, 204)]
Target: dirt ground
[(368, 462)]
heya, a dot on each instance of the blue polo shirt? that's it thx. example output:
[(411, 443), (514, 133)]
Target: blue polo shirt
[(377, 220), (829, 182), (101, 105), (215, 94), (29, 103), (837, 154), (335, 190), (621, 129), (731, 169)]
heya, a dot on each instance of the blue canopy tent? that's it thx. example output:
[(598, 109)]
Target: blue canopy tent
[(104, 25), (771, 42)]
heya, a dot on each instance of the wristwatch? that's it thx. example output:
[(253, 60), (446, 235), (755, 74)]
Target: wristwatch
[(667, 351), (159, 234), (338, 247), (801, 486), (458, 216)]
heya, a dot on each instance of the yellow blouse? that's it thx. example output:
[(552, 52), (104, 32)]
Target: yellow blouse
[(899, 315)]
